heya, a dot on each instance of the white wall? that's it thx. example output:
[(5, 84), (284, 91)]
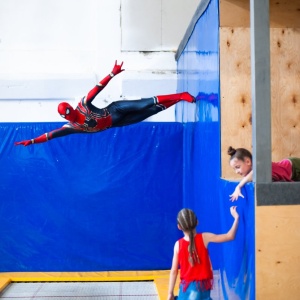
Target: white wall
[(57, 50)]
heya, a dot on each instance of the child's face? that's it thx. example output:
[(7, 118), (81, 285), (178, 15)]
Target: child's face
[(241, 167)]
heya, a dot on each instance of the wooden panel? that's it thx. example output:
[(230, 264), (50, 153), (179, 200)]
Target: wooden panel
[(235, 77), (278, 255), (235, 81), (285, 92), (283, 14), (234, 13)]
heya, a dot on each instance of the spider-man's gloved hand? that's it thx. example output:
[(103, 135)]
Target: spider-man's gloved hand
[(117, 69), (24, 143)]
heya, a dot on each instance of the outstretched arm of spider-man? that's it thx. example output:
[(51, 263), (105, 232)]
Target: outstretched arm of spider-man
[(99, 87), (48, 136)]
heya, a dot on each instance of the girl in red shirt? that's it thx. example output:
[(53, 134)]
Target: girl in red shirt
[(191, 255), (241, 161)]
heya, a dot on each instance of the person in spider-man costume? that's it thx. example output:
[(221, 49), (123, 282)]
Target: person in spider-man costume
[(87, 118)]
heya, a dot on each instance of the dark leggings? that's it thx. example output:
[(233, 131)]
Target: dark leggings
[(127, 112)]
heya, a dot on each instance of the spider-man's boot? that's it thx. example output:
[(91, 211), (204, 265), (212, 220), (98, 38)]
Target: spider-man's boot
[(169, 100)]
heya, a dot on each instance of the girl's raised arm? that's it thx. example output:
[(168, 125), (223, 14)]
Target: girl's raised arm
[(209, 237)]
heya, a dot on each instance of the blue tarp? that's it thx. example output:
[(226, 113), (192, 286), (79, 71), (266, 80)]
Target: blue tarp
[(105, 201), (205, 192)]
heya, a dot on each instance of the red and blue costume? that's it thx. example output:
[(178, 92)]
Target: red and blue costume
[(87, 118)]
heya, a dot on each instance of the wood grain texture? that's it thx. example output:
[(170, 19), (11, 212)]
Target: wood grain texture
[(278, 252), (235, 77), (235, 82), (285, 92), (283, 14)]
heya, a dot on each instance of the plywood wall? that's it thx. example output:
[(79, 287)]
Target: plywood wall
[(278, 252), (235, 82), (277, 227), (235, 77), (283, 13), (285, 92)]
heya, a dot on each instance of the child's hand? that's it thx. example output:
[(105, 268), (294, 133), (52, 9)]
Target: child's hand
[(233, 212), (236, 194), (171, 297)]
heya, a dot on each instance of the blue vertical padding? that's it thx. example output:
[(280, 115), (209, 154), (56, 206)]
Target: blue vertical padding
[(238, 272), (200, 180), (198, 69), (90, 202), (203, 189)]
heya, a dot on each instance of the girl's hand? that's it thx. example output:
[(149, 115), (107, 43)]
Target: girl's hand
[(117, 68), (171, 297), (236, 194), (233, 212)]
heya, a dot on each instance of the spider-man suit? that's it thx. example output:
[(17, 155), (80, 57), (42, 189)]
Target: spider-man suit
[(87, 118)]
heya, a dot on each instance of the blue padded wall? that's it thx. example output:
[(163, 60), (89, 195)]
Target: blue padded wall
[(204, 191), (90, 202), (198, 68), (238, 257)]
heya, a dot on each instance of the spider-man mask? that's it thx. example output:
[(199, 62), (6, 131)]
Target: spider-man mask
[(67, 111)]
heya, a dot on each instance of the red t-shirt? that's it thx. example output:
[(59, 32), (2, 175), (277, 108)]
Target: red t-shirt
[(200, 272), (282, 170)]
